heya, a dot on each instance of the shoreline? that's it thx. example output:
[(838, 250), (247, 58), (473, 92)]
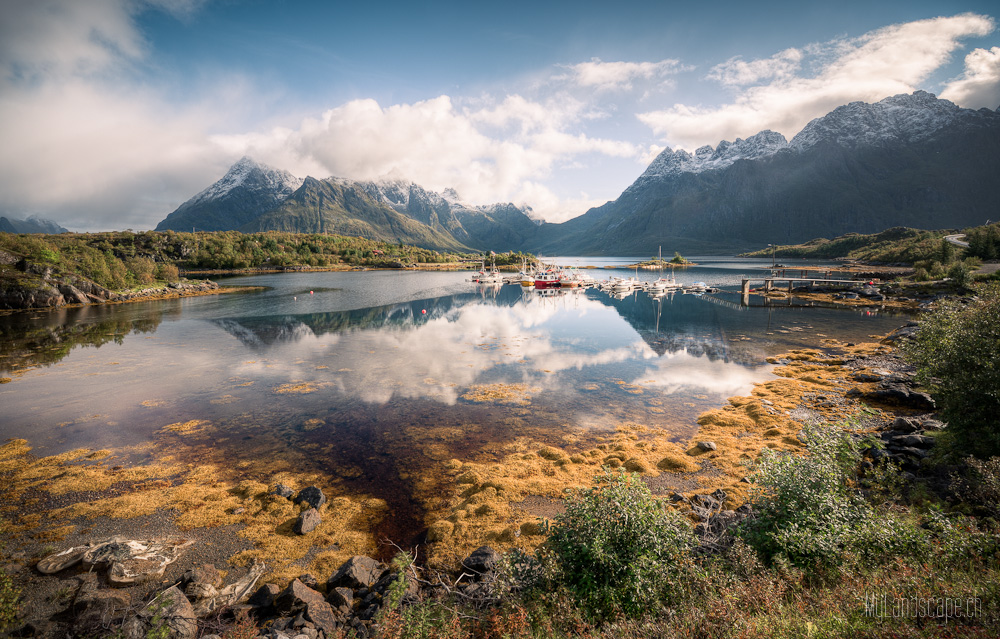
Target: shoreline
[(175, 290), (501, 503)]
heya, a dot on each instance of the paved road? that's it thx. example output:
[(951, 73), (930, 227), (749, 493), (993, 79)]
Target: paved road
[(954, 239)]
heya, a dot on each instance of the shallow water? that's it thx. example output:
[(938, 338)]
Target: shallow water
[(379, 374)]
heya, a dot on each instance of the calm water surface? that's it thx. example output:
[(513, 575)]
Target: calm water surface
[(373, 359)]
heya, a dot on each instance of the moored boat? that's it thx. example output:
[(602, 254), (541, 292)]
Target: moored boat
[(549, 278), (622, 284)]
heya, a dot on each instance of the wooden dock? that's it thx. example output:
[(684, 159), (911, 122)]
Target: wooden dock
[(769, 282)]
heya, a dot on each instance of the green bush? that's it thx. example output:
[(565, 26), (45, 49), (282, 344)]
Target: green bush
[(809, 513), (957, 352), (141, 269), (959, 273), (618, 549), (167, 272)]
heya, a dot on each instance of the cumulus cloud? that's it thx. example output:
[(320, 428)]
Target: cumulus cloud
[(90, 143), (620, 76), (490, 152), (891, 60), (82, 146), (979, 85)]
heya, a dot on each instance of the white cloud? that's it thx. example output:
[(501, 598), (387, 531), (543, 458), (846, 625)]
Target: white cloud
[(494, 152), (620, 76), (737, 72), (90, 145), (70, 37), (891, 60), (82, 146), (979, 85)]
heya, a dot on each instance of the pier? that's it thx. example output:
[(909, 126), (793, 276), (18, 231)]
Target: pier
[(770, 280)]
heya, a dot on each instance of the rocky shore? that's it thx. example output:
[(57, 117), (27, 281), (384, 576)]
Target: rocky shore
[(38, 286), (130, 584)]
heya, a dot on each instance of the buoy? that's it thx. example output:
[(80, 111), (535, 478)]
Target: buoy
[(295, 298), (310, 292), (423, 312)]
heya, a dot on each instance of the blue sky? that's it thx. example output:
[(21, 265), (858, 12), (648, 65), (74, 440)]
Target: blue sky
[(113, 112)]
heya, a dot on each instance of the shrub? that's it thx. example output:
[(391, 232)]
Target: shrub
[(141, 269), (957, 352), (167, 272), (809, 514), (959, 273), (618, 549)]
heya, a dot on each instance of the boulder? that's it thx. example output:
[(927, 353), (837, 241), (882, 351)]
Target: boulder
[(342, 599), (707, 446), (482, 561), (307, 521), (282, 490), (93, 605), (264, 597), (322, 615), (915, 441), (901, 395), (357, 572), (169, 615), (312, 495), (204, 574), (905, 425), (294, 597)]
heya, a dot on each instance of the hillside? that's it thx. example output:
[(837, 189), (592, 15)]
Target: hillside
[(909, 160), (344, 208), (246, 191)]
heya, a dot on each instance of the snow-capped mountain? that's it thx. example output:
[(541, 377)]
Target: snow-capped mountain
[(904, 118), (908, 160), (254, 197), (500, 227), (31, 224), (248, 190), (670, 162), (251, 175)]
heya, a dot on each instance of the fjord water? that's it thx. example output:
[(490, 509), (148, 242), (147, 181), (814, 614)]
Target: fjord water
[(368, 361)]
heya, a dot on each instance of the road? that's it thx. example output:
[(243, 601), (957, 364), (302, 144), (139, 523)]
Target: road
[(957, 242)]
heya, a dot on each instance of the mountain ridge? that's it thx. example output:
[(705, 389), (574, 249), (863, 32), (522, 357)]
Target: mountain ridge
[(908, 160)]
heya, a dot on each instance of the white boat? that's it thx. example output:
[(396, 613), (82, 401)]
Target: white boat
[(621, 284), (663, 284), (571, 278), (493, 276)]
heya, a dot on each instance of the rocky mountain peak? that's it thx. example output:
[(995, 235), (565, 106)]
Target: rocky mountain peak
[(249, 173), (899, 118), (705, 158)]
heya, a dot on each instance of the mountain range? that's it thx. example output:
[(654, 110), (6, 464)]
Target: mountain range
[(908, 160), (32, 224)]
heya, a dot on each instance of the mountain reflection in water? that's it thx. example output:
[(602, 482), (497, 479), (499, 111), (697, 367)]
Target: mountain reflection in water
[(499, 358)]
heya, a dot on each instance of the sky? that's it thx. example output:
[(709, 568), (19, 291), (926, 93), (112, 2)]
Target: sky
[(114, 112)]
